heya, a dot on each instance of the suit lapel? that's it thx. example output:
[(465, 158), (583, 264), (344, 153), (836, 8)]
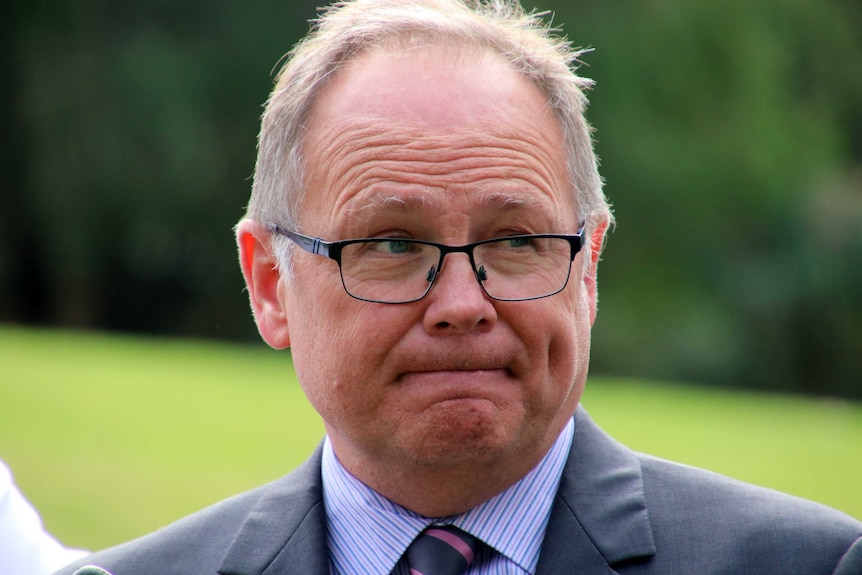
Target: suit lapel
[(285, 532), (599, 516)]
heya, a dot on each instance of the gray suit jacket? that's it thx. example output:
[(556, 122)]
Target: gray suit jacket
[(616, 512)]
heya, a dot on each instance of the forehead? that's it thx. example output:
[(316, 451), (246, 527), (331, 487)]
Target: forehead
[(428, 123), (428, 85)]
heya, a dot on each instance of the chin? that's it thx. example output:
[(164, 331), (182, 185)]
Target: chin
[(466, 432)]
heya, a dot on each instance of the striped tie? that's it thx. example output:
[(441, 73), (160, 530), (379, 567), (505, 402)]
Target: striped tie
[(442, 550)]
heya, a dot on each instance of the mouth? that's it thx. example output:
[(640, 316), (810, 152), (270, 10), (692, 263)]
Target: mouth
[(460, 373), (457, 383), (459, 363)]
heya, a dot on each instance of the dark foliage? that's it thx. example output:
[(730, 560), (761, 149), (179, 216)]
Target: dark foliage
[(730, 134)]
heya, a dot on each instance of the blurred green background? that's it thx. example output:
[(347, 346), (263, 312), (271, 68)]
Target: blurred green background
[(114, 436), (730, 134)]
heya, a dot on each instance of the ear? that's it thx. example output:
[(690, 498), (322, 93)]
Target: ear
[(266, 289), (597, 242)]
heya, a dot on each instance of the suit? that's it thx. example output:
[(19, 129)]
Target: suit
[(616, 512)]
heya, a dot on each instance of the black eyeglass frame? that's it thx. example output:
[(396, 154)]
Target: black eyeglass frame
[(332, 250)]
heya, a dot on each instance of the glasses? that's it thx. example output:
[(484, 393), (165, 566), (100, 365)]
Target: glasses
[(399, 270)]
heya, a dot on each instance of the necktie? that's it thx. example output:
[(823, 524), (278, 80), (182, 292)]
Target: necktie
[(444, 550)]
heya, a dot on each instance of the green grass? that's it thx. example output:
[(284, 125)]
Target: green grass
[(112, 436)]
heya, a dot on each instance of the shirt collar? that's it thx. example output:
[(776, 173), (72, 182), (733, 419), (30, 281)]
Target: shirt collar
[(367, 533)]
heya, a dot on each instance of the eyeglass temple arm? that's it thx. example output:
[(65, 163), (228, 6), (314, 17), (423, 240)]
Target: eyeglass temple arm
[(309, 244), (581, 240)]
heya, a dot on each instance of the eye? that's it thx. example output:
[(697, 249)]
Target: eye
[(515, 245), (388, 247), (394, 246), (517, 242)]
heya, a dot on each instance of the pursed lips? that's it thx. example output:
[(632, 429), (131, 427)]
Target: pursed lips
[(455, 363), (464, 370), (460, 378)]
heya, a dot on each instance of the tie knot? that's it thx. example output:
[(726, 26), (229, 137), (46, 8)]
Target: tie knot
[(444, 550)]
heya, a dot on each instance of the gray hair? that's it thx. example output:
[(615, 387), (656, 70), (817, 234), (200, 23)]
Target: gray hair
[(349, 28)]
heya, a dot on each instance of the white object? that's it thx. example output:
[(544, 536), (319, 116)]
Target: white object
[(25, 547)]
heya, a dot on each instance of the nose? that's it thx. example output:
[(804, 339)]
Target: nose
[(457, 304)]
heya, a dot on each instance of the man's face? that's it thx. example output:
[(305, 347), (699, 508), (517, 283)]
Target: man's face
[(452, 148)]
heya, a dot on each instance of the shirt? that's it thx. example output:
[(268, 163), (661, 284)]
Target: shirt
[(368, 533)]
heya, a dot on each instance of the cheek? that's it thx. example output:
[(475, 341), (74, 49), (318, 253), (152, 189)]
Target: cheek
[(568, 330), (340, 350), (581, 331), (318, 331)]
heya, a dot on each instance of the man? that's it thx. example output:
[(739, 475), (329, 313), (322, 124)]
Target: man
[(423, 233)]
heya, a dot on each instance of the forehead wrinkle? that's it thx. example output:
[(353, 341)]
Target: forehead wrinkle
[(406, 202), (366, 155)]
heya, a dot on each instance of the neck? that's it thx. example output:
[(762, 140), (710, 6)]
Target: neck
[(442, 494), (438, 489)]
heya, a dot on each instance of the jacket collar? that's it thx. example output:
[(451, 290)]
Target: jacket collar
[(600, 514), (285, 532)]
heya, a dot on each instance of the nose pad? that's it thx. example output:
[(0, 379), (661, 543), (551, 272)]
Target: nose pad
[(481, 274)]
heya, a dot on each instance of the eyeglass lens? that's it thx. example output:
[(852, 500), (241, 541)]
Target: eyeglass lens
[(396, 271)]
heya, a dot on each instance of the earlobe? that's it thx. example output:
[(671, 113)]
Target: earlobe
[(265, 290)]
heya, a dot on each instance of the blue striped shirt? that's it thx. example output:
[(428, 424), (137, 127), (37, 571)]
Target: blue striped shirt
[(368, 534)]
